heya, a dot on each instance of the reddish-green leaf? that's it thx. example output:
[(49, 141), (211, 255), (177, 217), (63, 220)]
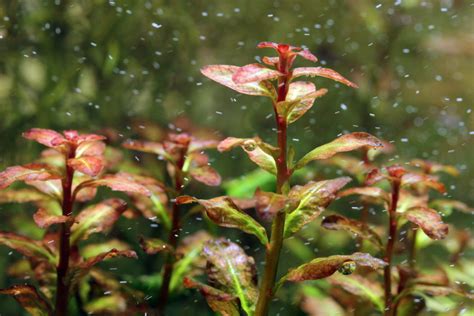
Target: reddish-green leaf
[(306, 54), (312, 199), (53, 188), (409, 179), (254, 73), (29, 172), (45, 217), (268, 204), (97, 218), (322, 72), (90, 165), (223, 74), (232, 271), (27, 296), (45, 137), (21, 196), (223, 211), (344, 143), (446, 206), (92, 250), (154, 245), (121, 181), (147, 147), (26, 246), (338, 222), (372, 192), (258, 151), (320, 268), (90, 148), (429, 221), (434, 167), (206, 175), (360, 286), (219, 301)]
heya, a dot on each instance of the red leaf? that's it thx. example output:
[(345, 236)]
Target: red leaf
[(117, 182), (254, 73), (44, 218), (306, 54), (90, 148), (322, 72), (90, 165), (206, 175), (429, 220), (30, 172), (45, 137)]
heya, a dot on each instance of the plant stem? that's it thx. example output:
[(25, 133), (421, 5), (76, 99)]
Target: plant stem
[(272, 255), (390, 245), (412, 249), (62, 286), (172, 239)]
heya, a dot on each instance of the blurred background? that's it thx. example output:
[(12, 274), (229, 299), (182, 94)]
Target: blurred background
[(94, 64)]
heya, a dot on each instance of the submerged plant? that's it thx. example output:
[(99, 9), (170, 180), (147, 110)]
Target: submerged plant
[(288, 208), (67, 173)]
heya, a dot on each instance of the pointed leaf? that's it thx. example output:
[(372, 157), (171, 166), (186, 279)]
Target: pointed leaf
[(254, 73), (45, 137), (121, 181), (90, 165), (29, 172), (338, 222), (322, 72), (206, 175), (313, 198), (429, 221), (97, 218), (154, 245), (219, 301), (223, 74), (258, 151), (29, 299), (320, 268), (344, 143), (45, 217), (232, 271), (26, 246), (223, 211)]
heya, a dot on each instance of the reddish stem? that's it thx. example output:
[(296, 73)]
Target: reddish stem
[(62, 285), (172, 238), (390, 245)]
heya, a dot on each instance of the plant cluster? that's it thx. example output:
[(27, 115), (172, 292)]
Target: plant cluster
[(68, 173)]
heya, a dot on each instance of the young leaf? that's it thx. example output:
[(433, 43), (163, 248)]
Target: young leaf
[(97, 218), (29, 172), (219, 301), (154, 245), (26, 246), (322, 72), (254, 73), (344, 143), (90, 165), (45, 217), (121, 181), (338, 222), (232, 271), (258, 151), (46, 137), (313, 198), (206, 175), (429, 221), (29, 299), (223, 211), (223, 74), (320, 268)]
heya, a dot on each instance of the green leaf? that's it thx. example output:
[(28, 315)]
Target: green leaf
[(338, 222), (97, 218), (219, 301), (29, 299), (259, 152), (429, 220), (28, 247), (361, 287), (224, 212), (223, 74), (320, 268), (232, 271), (92, 250), (111, 304), (245, 186), (344, 143), (312, 199)]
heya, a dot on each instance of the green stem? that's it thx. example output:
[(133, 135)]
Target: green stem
[(272, 256)]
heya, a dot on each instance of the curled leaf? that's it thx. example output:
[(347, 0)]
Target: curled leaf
[(344, 143), (338, 222), (429, 221), (254, 73), (322, 72), (223, 74), (223, 211), (312, 199), (29, 172), (29, 298)]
